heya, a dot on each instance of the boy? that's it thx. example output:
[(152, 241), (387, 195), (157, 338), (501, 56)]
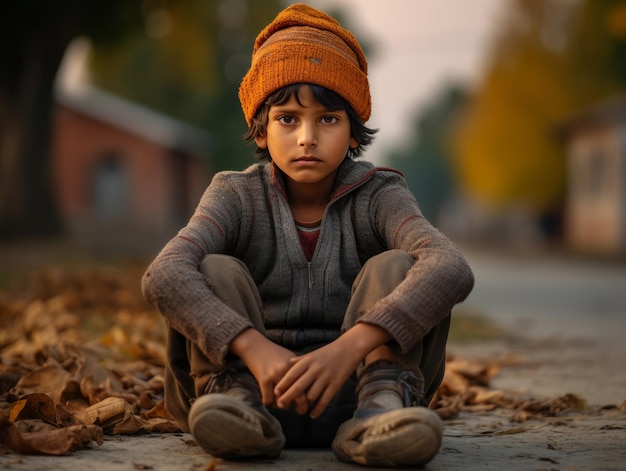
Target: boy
[(307, 300)]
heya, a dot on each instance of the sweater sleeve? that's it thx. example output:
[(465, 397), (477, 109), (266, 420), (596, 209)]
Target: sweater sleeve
[(175, 286), (439, 278)]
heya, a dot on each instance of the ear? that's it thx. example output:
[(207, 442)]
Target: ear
[(353, 143), (261, 141)]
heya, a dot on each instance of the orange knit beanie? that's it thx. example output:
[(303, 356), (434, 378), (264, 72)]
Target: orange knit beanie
[(305, 45)]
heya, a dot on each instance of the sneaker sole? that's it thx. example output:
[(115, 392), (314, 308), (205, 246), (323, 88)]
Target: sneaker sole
[(404, 437), (225, 427)]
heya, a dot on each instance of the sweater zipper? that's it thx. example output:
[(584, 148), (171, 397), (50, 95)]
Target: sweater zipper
[(310, 272)]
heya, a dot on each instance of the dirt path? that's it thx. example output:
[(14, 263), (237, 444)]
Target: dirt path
[(586, 358), (593, 439)]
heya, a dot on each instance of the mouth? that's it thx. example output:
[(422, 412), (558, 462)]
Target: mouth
[(307, 159)]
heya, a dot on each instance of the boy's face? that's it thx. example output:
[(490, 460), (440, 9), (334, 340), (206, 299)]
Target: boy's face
[(307, 141)]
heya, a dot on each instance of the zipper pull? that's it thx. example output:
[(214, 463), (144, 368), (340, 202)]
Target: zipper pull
[(310, 271)]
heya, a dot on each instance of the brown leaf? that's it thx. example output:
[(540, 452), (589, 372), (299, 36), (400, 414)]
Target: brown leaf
[(115, 416), (146, 401), (161, 425), (158, 411), (40, 406), (129, 425), (50, 442), (475, 371), (106, 412), (50, 379), (33, 425)]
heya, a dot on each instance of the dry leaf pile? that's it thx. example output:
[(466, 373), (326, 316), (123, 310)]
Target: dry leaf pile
[(82, 356), (465, 387)]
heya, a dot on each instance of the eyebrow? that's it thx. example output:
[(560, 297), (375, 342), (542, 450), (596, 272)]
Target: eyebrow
[(285, 108)]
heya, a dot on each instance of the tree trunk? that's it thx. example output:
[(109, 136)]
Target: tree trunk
[(27, 204)]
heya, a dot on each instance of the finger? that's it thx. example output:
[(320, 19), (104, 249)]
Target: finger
[(285, 400), (287, 381), (302, 405), (267, 394), (321, 405), (315, 390), (296, 390)]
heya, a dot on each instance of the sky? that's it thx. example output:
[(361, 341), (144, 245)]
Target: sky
[(418, 46)]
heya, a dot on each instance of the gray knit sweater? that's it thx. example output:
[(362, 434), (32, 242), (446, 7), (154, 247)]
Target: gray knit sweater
[(246, 215)]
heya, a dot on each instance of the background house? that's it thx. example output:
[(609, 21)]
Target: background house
[(126, 177), (595, 212)]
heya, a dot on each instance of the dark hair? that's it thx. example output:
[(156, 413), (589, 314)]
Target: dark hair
[(327, 98)]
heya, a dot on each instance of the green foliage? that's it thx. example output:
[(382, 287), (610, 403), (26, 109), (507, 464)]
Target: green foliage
[(188, 63), (551, 59)]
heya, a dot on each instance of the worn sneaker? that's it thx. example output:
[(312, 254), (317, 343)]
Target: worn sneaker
[(230, 421), (390, 427)]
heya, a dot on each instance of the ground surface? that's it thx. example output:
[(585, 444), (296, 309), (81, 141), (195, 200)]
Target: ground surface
[(560, 321)]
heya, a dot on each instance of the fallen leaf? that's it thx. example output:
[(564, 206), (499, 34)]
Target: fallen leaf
[(59, 441)]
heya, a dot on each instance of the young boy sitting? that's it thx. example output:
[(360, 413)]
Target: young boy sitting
[(308, 300)]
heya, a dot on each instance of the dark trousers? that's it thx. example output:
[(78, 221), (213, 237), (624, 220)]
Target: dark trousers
[(188, 369)]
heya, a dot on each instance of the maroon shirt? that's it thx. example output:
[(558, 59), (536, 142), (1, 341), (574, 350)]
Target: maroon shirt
[(308, 234)]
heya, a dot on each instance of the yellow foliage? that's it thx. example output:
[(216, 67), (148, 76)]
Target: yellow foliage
[(506, 148), (616, 21)]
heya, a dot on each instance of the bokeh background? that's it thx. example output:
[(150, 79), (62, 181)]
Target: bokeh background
[(507, 117)]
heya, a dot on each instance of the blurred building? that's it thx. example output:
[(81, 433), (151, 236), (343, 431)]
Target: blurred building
[(126, 177), (595, 213)]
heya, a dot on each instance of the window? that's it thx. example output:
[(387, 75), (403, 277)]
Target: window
[(110, 188)]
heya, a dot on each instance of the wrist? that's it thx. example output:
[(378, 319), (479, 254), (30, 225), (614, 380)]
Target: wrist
[(365, 338), (247, 341)]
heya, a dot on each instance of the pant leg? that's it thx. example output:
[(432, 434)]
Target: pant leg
[(378, 277), (187, 369)]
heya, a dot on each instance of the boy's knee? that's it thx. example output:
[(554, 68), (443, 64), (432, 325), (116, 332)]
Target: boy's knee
[(395, 260), (218, 266)]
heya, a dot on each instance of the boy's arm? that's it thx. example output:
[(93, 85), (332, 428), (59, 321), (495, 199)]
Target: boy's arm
[(438, 280), (174, 284)]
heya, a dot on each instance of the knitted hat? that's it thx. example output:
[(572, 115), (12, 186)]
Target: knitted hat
[(305, 45)]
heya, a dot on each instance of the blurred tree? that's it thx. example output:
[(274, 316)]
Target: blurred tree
[(185, 58), (34, 36), (550, 59), (425, 160), (189, 64)]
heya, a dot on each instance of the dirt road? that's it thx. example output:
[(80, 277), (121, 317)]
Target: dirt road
[(555, 353)]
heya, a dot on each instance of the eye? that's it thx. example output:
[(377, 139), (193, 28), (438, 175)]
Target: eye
[(286, 119), (328, 119)]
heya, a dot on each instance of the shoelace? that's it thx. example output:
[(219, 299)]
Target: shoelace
[(219, 382), (223, 380), (412, 395)]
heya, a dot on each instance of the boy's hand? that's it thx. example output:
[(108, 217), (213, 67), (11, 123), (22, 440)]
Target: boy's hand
[(317, 376), (268, 362), (320, 374)]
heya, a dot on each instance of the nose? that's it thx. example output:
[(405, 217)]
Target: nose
[(307, 134)]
